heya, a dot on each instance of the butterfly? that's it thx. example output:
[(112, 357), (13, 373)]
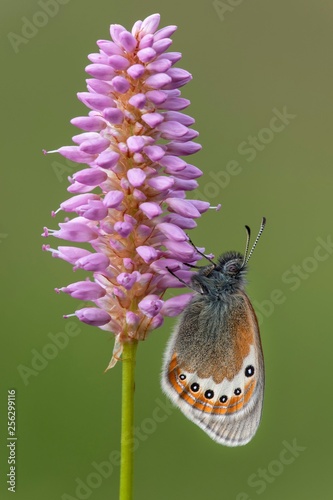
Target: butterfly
[(213, 365)]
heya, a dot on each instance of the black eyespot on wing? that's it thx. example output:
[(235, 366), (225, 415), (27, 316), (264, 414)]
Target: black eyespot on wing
[(249, 371), (182, 376), (223, 399), (209, 394), (195, 387), (238, 391)]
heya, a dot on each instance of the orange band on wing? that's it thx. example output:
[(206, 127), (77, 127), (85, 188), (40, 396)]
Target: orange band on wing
[(199, 401)]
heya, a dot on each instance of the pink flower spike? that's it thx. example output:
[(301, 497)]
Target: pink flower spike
[(183, 148), (124, 229), (113, 115), (89, 123), (126, 280), (75, 231), (162, 45), (178, 74), (93, 316), (85, 136), (95, 101), (189, 172), (157, 96), (154, 153), (151, 209), (90, 177), (110, 48), (136, 177), (156, 322), (172, 129), (94, 210), (132, 319), (128, 41), (139, 195), (164, 32), (144, 231), (158, 81), (74, 203), (129, 265), (98, 59), (120, 84), (159, 66), (151, 305), (201, 206), (77, 187), (174, 103), (161, 183), (92, 262), (100, 71), (179, 117), (136, 29), (172, 231), (172, 56), (107, 159), (180, 250), (118, 63), (146, 41), (136, 71), (185, 185), (115, 30), (146, 55), (153, 119), (176, 305), (113, 199), (173, 162), (129, 197), (183, 207), (99, 87), (94, 146), (135, 143), (70, 254), (180, 221), (150, 24), (148, 254), (138, 101), (84, 290), (73, 153)]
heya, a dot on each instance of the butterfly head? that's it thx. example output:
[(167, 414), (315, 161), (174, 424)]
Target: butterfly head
[(232, 268), (226, 276)]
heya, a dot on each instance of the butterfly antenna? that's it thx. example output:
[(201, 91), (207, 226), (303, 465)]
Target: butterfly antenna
[(248, 236), (200, 253), (262, 227)]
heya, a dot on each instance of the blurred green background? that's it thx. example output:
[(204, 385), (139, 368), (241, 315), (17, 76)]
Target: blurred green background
[(250, 60)]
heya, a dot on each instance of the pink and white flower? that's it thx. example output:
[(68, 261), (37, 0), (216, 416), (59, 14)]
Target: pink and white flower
[(130, 200)]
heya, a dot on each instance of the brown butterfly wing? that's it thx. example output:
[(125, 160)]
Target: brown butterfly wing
[(214, 368)]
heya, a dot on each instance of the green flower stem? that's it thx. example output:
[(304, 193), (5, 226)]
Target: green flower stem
[(127, 421)]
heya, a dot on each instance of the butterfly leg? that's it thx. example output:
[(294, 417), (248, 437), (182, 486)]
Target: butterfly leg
[(182, 281)]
